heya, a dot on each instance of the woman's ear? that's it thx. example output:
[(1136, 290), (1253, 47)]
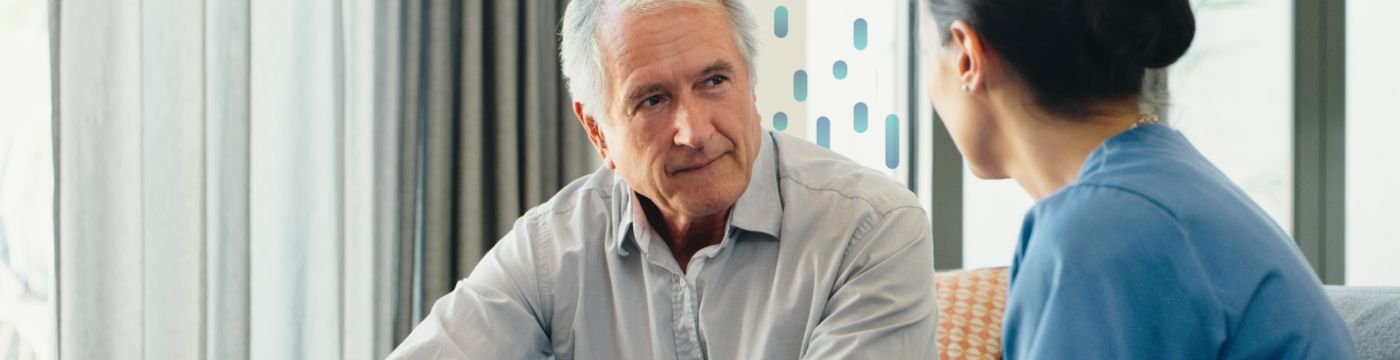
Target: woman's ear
[(595, 134), (970, 56)]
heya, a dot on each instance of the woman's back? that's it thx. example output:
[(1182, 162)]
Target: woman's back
[(1153, 253)]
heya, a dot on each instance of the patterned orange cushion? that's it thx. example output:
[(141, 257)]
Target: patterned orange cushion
[(970, 304)]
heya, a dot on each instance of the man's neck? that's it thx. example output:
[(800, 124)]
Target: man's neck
[(685, 235)]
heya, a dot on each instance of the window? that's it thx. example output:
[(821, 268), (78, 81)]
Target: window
[(992, 214), (1232, 97), (26, 182), (836, 73), (1373, 156)]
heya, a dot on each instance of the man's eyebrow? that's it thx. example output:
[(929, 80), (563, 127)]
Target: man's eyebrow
[(632, 98), (718, 65)]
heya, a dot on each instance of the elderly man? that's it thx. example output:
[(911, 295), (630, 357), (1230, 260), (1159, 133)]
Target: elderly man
[(703, 236)]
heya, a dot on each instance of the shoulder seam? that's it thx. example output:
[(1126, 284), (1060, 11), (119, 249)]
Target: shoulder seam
[(1134, 193), (574, 204), (542, 265), (873, 222), (843, 194), (863, 229)]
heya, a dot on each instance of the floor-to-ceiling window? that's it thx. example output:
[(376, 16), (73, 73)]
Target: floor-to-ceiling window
[(26, 182), (1373, 154)]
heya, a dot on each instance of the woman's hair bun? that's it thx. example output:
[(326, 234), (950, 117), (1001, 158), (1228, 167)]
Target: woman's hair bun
[(1149, 33), (1075, 53)]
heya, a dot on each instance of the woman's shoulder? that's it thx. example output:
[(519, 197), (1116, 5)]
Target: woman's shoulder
[(1159, 166), (1105, 221), (1157, 163)]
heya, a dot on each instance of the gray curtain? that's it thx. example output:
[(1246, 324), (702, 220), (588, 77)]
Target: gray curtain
[(265, 179), (219, 167), (488, 133)]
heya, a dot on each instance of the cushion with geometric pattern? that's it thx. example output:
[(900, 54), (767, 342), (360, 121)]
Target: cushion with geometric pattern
[(970, 305)]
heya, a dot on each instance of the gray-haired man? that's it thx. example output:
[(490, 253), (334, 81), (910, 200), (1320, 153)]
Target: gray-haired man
[(703, 236)]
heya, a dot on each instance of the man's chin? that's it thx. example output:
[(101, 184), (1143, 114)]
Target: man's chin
[(708, 192), (703, 201)]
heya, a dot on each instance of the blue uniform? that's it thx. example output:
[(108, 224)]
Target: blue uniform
[(1154, 253)]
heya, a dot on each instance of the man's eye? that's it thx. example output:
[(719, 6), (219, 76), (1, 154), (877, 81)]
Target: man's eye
[(716, 80), (652, 101)]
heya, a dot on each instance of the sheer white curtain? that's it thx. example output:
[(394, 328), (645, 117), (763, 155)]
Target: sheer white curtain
[(225, 178)]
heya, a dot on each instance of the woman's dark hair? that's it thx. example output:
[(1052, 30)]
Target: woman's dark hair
[(1073, 53)]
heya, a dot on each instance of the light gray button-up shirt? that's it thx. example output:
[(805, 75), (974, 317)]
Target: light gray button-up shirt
[(822, 259)]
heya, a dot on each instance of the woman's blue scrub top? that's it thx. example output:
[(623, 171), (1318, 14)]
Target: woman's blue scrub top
[(1154, 254)]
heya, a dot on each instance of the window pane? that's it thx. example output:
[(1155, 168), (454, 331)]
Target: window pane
[(26, 182), (992, 214), (1231, 95), (837, 71), (1373, 157)]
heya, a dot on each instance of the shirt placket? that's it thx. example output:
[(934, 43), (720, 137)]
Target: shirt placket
[(683, 319), (684, 306)]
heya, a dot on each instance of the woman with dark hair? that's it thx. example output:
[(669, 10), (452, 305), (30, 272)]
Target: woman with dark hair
[(1137, 246)]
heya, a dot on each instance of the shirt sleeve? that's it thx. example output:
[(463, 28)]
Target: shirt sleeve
[(1103, 273), (495, 313), (883, 305)]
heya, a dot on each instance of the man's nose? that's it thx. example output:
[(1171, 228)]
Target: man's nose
[(694, 125)]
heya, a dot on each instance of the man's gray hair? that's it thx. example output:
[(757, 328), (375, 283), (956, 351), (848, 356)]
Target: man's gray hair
[(581, 57)]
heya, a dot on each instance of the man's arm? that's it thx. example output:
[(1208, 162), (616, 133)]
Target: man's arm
[(883, 305), (493, 314)]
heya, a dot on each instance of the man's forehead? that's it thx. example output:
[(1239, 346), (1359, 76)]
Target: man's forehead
[(631, 28), (652, 7), (691, 41)]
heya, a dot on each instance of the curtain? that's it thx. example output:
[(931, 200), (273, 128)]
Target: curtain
[(489, 132), (245, 179), (219, 170)]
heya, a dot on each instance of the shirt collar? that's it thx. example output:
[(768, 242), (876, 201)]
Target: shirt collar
[(759, 209), (641, 227), (1145, 137)]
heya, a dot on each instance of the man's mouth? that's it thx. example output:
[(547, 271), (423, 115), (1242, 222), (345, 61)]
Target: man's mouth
[(700, 165)]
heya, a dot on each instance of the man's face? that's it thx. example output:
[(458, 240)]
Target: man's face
[(682, 128)]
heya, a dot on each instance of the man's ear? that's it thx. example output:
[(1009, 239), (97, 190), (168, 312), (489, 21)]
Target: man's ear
[(595, 134), (971, 55)]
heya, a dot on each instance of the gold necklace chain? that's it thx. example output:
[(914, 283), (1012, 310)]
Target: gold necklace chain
[(1144, 120)]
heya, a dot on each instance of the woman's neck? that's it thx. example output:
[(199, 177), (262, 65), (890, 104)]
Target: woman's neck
[(1046, 151)]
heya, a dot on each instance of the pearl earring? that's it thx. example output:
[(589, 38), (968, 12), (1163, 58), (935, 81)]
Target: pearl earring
[(966, 89)]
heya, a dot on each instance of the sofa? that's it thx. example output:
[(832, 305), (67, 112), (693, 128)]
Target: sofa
[(970, 304), (1373, 316)]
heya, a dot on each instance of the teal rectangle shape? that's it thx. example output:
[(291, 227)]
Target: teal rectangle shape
[(892, 141), (861, 119), (780, 22), (799, 85), (860, 34)]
